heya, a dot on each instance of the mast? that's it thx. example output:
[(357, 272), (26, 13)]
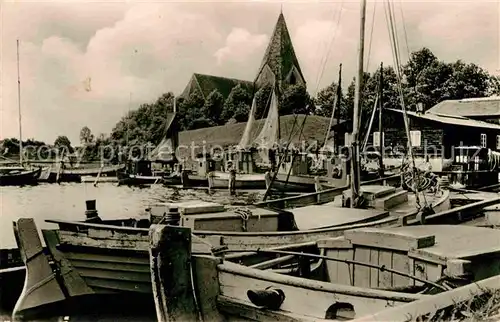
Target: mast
[(380, 106), (19, 107), (355, 173), (279, 123), (336, 102)]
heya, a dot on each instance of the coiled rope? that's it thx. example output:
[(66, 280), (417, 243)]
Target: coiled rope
[(245, 214), (417, 180)]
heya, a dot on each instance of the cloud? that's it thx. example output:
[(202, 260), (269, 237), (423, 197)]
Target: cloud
[(240, 45)]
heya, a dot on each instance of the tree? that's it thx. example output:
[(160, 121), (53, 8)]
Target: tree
[(295, 100), (62, 143), (190, 109), (213, 107), (325, 100), (234, 102), (86, 136)]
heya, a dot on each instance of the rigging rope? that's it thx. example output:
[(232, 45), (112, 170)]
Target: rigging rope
[(389, 14)]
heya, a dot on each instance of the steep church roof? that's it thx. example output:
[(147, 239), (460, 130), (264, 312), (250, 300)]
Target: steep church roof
[(207, 83), (280, 56)]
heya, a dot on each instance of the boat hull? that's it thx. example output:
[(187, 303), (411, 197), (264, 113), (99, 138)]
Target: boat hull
[(91, 179), (26, 177), (97, 277), (224, 288), (220, 180), (293, 183)]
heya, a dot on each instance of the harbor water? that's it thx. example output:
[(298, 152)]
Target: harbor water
[(67, 202)]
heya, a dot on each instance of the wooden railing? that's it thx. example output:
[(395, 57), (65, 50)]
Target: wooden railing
[(320, 197)]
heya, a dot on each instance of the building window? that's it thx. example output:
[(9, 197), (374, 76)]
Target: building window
[(498, 142), (376, 138), (483, 140), (415, 138)]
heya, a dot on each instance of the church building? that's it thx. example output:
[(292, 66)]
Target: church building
[(279, 66)]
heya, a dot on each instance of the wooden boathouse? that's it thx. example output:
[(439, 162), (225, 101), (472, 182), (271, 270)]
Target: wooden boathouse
[(437, 133)]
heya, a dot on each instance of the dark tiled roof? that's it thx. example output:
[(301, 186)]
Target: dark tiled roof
[(280, 55), (208, 83), (478, 107)]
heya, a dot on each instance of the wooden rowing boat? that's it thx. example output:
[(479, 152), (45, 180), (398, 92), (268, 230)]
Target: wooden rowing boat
[(112, 257), (91, 179), (220, 179), (12, 276), (353, 276), (75, 174)]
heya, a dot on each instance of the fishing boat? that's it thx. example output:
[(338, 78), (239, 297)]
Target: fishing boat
[(459, 304), (111, 257), (142, 172), (351, 277), (12, 276), (63, 174), (92, 179)]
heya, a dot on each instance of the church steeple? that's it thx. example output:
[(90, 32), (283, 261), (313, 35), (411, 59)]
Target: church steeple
[(280, 64)]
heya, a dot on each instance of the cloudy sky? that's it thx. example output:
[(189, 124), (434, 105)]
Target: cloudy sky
[(80, 62)]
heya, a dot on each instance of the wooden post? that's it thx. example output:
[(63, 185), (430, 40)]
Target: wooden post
[(171, 274), (91, 214), (381, 136), (355, 158)]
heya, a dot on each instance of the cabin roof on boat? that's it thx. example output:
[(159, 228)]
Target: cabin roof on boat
[(329, 215), (448, 119), (450, 241)]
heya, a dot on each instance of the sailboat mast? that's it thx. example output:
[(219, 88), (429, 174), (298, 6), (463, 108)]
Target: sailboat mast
[(355, 153), (380, 106), (19, 107)]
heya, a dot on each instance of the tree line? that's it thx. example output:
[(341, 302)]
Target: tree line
[(424, 79)]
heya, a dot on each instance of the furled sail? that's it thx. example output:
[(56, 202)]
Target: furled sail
[(268, 137), (245, 139)]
